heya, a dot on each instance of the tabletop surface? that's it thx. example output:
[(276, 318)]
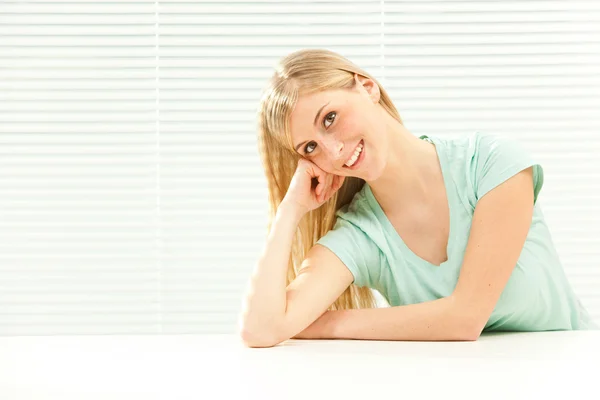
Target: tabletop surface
[(508, 365)]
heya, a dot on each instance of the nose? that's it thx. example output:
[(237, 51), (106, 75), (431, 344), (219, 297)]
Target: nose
[(334, 147)]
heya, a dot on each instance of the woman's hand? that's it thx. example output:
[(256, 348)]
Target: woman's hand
[(301, 192)]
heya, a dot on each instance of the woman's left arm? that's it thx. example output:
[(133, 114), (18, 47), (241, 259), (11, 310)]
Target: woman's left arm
[(500, 225), (431, 320)]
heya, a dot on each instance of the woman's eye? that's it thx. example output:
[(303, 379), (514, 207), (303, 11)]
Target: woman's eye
[(306, 152), (326, 117)]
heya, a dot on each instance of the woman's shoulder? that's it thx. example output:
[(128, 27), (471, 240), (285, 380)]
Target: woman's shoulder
[(462, 143)]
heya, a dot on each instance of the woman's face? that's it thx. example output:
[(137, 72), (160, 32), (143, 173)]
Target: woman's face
[(328, 126)]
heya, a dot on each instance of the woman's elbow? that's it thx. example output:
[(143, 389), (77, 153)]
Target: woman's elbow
[(262, 339)]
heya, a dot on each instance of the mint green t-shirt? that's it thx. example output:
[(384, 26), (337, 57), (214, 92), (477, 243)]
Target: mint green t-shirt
[(537, 296)]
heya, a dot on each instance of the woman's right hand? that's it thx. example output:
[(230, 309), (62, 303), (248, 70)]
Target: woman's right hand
[(301, 192)]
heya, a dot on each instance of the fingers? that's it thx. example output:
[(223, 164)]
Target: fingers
[(328, 185), (321, 179), (324, 188), (339, 179), (334, 182), (321, 185)]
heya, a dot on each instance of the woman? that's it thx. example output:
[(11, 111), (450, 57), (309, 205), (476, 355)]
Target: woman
[(447, 230)]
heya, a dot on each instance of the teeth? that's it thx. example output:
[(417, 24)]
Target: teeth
[(354, 157)]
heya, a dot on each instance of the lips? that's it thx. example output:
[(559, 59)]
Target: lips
[(351, 154)]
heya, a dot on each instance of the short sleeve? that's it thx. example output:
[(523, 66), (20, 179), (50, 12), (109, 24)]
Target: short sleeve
[(356, 250), (496, 159)]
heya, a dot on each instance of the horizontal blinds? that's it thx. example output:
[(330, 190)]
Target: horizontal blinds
[(215, 58), (79, 168), (522, 69), (132, 198)]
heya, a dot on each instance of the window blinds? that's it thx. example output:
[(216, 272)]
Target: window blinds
[(132, 198), (522, 69)]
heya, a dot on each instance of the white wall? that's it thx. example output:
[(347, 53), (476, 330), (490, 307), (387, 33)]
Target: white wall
[(132, 198)]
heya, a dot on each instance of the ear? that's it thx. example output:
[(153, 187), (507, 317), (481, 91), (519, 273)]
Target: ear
[(369, 85)]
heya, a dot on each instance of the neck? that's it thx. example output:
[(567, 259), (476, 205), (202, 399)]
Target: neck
[(411, 165)]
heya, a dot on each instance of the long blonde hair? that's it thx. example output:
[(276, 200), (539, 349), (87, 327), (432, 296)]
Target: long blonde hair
[(305, 72)]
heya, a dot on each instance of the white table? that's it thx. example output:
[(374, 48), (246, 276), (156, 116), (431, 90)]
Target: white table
[(532, 365)]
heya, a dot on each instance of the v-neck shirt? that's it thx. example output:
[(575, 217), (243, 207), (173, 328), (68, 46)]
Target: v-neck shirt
[(537, 296), (382, 217)]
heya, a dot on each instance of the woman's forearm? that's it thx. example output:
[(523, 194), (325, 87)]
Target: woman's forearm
[(265, 299), (436, 320)]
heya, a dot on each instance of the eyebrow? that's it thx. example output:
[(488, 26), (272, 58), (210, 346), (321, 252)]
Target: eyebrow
[(314, 123)]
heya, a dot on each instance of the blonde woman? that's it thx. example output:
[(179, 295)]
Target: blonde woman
[(447, 230)]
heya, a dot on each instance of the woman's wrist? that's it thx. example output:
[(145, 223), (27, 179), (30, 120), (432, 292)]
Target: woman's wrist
[(292, 209)]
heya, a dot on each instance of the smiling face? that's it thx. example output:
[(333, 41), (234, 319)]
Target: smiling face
[(327, 127)]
